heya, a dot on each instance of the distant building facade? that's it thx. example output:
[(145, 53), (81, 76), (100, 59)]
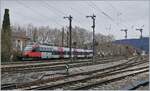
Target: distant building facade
[(142, 43), (19, 40)]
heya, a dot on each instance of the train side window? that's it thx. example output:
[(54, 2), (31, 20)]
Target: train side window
[(68, 53), (53, 52), (41, 49), (45, 49), (56, 52), (81, 53), (35, 49), (74, 52), (77, 53), (49, 49), (65, 52)]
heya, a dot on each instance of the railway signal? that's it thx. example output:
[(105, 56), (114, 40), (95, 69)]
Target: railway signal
[(67, 69), (70, 29), (62, 37), (125, 30), (93, 26), (141, 30)]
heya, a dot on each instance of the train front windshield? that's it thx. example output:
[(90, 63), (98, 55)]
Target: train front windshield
[(28, 48)]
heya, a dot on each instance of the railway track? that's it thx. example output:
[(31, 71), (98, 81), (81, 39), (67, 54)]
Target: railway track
[(112, 77), (52, 66), (53, 62), (41, 61), (75, 82), (82, 74)]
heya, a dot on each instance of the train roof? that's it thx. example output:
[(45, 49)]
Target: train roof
[(56, 47)]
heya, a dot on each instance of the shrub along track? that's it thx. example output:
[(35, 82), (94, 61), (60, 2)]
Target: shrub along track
[(53, 65), (84, 76)]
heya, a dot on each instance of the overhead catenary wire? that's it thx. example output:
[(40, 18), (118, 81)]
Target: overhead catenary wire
[(79, 18), (35, 11), (47, 6), (119, 13), (30, 18), (102, 12), (105, 14), (57, 11), (132, 26), (50, 6)]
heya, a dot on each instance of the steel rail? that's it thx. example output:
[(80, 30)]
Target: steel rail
[(48, 60), (62, 77), (52, 66), (86, 73), (87, 86), (48, 80), (70, 82)]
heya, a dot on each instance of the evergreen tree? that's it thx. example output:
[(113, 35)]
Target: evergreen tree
[(6, 37)]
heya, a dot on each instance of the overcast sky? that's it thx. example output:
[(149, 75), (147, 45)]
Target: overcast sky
[(118, 15)]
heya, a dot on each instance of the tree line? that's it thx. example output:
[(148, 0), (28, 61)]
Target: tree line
[(81, 38)]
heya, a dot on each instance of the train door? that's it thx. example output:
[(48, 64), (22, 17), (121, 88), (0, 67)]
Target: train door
[(46, 52), (61, 52)]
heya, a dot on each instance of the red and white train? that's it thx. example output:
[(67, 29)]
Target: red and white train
[(53, 52)]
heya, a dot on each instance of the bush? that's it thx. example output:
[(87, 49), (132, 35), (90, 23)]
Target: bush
[(16, 55)]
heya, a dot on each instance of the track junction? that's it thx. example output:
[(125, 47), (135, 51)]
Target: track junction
[(83, 78)]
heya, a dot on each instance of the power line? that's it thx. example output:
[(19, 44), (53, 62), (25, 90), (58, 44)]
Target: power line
[(105, 14), (118, 12), (36, 11), (27, 17), (79, 21), (58, 11), (48, 7)]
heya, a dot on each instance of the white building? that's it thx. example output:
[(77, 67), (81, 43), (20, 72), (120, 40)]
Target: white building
[(19, 40)]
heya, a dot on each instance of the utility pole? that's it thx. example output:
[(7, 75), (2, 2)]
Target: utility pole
[(93, 26), (141, 30), (62, 37), (67, 38), (125, 30), (70, 29)]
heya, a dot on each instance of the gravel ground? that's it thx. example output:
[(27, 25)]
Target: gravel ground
[(144, 87), (27, 77), (125, 83)]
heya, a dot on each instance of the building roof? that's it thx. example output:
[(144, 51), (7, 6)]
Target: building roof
[(20, 34), (142, 43)]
